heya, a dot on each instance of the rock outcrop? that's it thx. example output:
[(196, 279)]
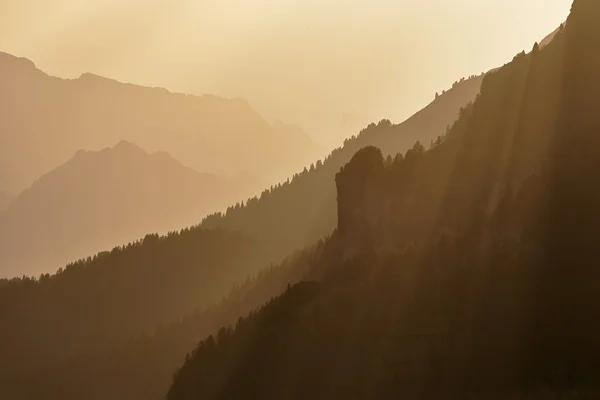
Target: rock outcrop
[(363, 203)]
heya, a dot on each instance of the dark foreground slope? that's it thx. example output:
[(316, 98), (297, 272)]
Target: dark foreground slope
[(467, 271), (142, 368), (95, 304)]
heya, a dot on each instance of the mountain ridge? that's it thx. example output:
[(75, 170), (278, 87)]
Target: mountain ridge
[(309, 201), (308, 187), (209, 133), (278, 208), (148, 193), (488, 289)]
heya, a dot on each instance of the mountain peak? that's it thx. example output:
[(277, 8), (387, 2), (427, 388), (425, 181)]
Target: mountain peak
[(550, 37), (10, 60), (127, 145), (122, 150), (90, 77)]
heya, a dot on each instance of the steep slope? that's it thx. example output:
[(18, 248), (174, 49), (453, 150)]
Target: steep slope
[(100, 368), (551, 36), (98, 200), (466, 271), (96, 305), (44, 120), (142, 368), (303, 210)]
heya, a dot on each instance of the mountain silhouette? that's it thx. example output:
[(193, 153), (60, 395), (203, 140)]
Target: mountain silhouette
[(289, 216), (44, 120), (464, 271), (302, 210), (546, 40), (98, 200), (292, 215)]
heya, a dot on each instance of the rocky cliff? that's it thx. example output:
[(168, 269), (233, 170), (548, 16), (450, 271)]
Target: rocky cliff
[(363, 203)]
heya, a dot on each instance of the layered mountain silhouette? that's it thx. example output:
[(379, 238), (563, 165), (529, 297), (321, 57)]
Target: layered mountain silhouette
[(98, 200), (86, 315), (303, 209), (465, 271), (392, 299), (44, 120), (289, 216)]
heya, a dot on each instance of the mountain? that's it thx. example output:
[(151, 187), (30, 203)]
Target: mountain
[(189, 264), (44, 120), (551, 36), (350, 123), (465, 271), (302, 210), (97, 305), (140, 367), (289, 216), (98, 200)]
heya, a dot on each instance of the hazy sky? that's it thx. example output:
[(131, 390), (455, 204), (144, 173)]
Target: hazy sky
[(304, 61)]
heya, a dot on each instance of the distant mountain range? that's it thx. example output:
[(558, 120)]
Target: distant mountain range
[(44, 120), (97, 200)]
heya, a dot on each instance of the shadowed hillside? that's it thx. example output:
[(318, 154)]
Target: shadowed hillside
[(406, 189), (303, 209), (449, 256), (44, 120), (142, 367), (464, 272), (98, 200), (280, 227), (94, 304)]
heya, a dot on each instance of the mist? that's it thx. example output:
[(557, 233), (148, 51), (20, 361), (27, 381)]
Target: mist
[(305, 62), (299, 199)]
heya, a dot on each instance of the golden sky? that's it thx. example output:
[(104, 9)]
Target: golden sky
[(304, 61)]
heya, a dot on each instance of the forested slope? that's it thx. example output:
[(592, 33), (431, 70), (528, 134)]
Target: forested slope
[(195, 266), (465, 271), (303, 209)]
